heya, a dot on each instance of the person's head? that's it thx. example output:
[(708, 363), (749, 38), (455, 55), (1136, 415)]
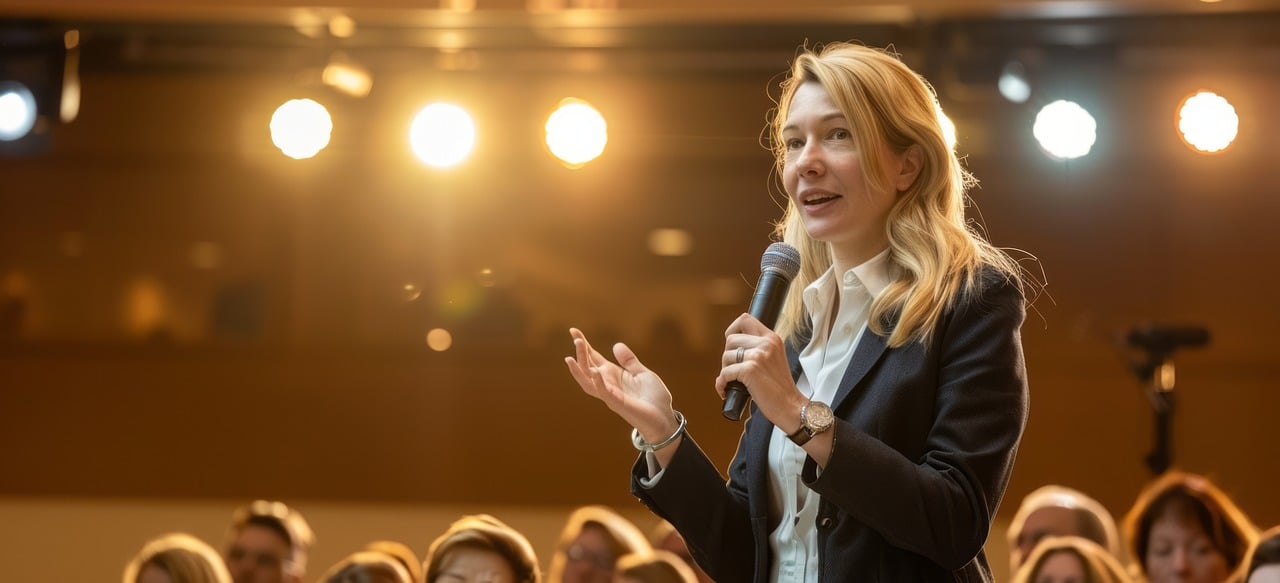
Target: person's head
[(368, 567), (653, 567), (665, 537), (481, 548), (1262, 563), (1059, 511), (1183, 528), (865, 165), (1070, 559), (176, 558), (592, 540), (402, 554), (268, 543)]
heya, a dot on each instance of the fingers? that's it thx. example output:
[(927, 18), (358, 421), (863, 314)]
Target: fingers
[(746, 324)]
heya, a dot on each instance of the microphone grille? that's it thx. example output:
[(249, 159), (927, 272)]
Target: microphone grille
[(782, 259)]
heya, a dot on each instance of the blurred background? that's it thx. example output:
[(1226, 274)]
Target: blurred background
[(210, 292)]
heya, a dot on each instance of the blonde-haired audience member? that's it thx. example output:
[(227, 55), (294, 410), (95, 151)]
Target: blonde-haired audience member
[(592, 540), (655, 567), (402, 554), (481, 548), (1183, 528), (665, 537), (1070, 559), (1059, 511), (1262, 563), (176, 558), (368, 567)]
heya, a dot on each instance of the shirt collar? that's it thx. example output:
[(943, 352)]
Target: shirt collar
[(873, 274)]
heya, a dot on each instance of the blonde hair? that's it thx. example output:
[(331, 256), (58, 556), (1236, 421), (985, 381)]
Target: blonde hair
[(934, 254), (655, 567), (624, 538), (402, 554), (481, 531), (1099, 565), (185, 558), (368, 567), (1095, 521)]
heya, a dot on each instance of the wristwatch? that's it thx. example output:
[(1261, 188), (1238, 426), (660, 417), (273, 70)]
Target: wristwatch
[(815, 417)]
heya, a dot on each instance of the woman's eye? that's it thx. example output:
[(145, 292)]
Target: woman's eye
[(795, 144), (840, 134)]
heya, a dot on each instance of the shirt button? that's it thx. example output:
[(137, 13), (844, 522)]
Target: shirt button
[(850, 278)]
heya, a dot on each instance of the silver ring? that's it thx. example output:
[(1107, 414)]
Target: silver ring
[(741, 350)]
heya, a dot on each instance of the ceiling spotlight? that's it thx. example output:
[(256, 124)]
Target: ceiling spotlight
[(1207, 122), (17, 110), (301, 128), (347, 76), (1013, 83), (576, 133), (442, 135), (1065, 130)]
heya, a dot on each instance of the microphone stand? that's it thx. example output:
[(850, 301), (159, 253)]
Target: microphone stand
[(1157, 375)]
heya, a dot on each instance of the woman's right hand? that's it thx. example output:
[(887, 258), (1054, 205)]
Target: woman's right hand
[(627, 387)]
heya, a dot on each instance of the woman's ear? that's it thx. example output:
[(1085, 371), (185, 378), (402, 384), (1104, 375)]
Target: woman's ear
[(909, 165)]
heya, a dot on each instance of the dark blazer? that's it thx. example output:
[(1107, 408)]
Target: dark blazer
[(924, 443)]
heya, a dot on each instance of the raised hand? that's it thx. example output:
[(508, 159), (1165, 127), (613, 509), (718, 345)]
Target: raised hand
[(627, 387)]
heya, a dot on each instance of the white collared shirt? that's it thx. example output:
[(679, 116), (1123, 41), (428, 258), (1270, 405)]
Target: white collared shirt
[(794, 542)]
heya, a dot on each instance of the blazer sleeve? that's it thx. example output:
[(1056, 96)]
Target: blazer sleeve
[(940, 505), (713, 517)]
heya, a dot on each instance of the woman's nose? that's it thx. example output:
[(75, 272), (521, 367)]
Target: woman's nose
[(810, 161)]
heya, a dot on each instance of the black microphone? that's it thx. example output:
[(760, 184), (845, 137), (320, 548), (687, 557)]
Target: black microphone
[(778, 266), (1164, 339)]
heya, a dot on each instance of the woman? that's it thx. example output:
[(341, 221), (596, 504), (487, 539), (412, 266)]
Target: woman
[(176, 558), (368, 567), (592, 540), (481, 548), (889, 403), (1070, 559), (1183, 528), (653, 567), (1262, 563)]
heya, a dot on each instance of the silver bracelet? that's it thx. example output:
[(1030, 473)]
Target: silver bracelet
[(646, 447)]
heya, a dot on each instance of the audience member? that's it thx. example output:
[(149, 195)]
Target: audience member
[(1262, 563), (665, 537), (402, 554), (1059, 511), (590, 544), (268, 543), (653, 567), (1070, 559), (1183, 528), (368, 567), (481, 548), (176, 558)]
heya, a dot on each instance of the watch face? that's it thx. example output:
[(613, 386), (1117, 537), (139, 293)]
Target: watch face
[(818, 417)]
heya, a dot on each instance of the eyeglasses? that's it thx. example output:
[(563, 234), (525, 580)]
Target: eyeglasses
[(580, 554)]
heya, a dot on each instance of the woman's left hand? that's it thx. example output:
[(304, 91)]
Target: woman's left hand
[(763, 368)]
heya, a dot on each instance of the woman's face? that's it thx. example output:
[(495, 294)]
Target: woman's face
[(823, 174), (473, 565), (589, 559), (1179, 551), (1061, 567), (150, 573)]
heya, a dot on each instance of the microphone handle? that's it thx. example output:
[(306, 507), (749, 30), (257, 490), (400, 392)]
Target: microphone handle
[(766, 304)]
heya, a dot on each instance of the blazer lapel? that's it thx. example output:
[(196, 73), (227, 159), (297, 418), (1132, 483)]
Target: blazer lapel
[(870, 348)]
